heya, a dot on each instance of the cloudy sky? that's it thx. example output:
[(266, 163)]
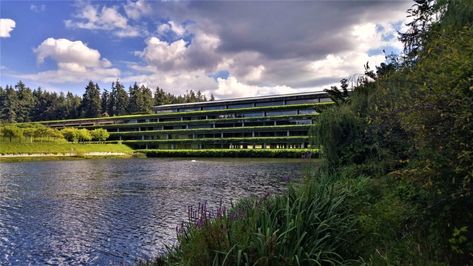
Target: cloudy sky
[(228, 48)]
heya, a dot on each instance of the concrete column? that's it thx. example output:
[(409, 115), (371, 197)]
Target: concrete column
[(288, 133), (221, 134), (253, 134), (143, 137)]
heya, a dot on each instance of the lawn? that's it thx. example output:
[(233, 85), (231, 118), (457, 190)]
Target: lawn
[(30, 148)]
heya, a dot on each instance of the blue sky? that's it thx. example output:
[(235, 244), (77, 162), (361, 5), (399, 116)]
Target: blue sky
[(230, 49)]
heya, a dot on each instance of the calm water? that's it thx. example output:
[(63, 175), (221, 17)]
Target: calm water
[(117, 211)]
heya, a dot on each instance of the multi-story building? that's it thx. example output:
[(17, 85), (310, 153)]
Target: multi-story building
[(278, 121)]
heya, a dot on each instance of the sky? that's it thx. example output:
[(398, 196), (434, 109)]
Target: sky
[(225, 48)]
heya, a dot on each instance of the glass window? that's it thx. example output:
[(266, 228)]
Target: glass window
[(306, 111), (254, 114), (302, 101), (215, 107), (274, 103), (325, 100), (243, 105), (284, 112)]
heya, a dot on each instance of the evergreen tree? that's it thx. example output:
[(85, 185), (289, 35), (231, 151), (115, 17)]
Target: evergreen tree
[(105, 103), (25, 102), (118, 100), (91, 105), (147, 99), (10, 105)]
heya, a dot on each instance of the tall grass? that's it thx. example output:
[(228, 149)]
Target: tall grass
[(308, 225)]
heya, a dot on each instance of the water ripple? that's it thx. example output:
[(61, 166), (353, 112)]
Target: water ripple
[(108, 212)]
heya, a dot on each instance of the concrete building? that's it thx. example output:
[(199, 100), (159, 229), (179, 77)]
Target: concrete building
[(278, 121)]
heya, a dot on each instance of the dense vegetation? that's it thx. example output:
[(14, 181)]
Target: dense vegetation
[(21, 104), (395, 183), (34, 133)]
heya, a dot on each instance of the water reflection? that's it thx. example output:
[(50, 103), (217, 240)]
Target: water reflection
[(117, 211)]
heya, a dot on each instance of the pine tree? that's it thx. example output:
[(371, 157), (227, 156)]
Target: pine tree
[(105, 103), (25, 102), (91, 105), (118, 99)]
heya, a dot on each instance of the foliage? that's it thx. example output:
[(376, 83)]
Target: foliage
[(33, 132), (21, 104), (70, 134), (99, 134), (308, 225), (91, 105), (412, 125), (84, 135)]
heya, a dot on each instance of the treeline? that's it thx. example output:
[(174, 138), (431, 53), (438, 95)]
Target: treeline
[(20, 104), (40, 133)]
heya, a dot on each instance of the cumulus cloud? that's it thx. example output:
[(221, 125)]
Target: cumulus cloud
[(6, 26), (136, 9), (314, 46), (106, 18), (76, 62)]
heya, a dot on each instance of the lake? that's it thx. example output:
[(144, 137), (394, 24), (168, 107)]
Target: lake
[(118, 211)]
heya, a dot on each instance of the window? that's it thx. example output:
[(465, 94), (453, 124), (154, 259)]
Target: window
[(215, 107), (285, 112), (273, 103), (242, 105), (301, 101)]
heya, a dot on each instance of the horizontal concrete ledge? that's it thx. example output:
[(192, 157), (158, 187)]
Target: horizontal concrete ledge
[(68, 154)]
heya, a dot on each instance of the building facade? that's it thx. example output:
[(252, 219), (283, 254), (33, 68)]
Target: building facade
[(278, 121)]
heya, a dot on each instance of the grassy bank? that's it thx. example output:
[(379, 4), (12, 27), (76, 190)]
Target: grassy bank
[(265, 153), (57, 148)]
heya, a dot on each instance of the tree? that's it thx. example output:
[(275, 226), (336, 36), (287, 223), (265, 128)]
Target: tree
[(118, 100), (105, 103), (70, 134), (29, 132), (12, 132), (25, 102), (84, 135), (100, 134), (91, 105), (10, 105)]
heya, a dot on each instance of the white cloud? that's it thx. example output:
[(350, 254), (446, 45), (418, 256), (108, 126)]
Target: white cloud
[(136, 9), (162, 54), (105, 18), (6, 26), (232, 88), (177, 29), (75, 63), (37, 8)]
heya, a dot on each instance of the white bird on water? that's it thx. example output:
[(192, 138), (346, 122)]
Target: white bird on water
[(193, 161)]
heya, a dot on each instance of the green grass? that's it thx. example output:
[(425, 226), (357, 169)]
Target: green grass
[(55, 148), (307, 225), (266, 153)]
